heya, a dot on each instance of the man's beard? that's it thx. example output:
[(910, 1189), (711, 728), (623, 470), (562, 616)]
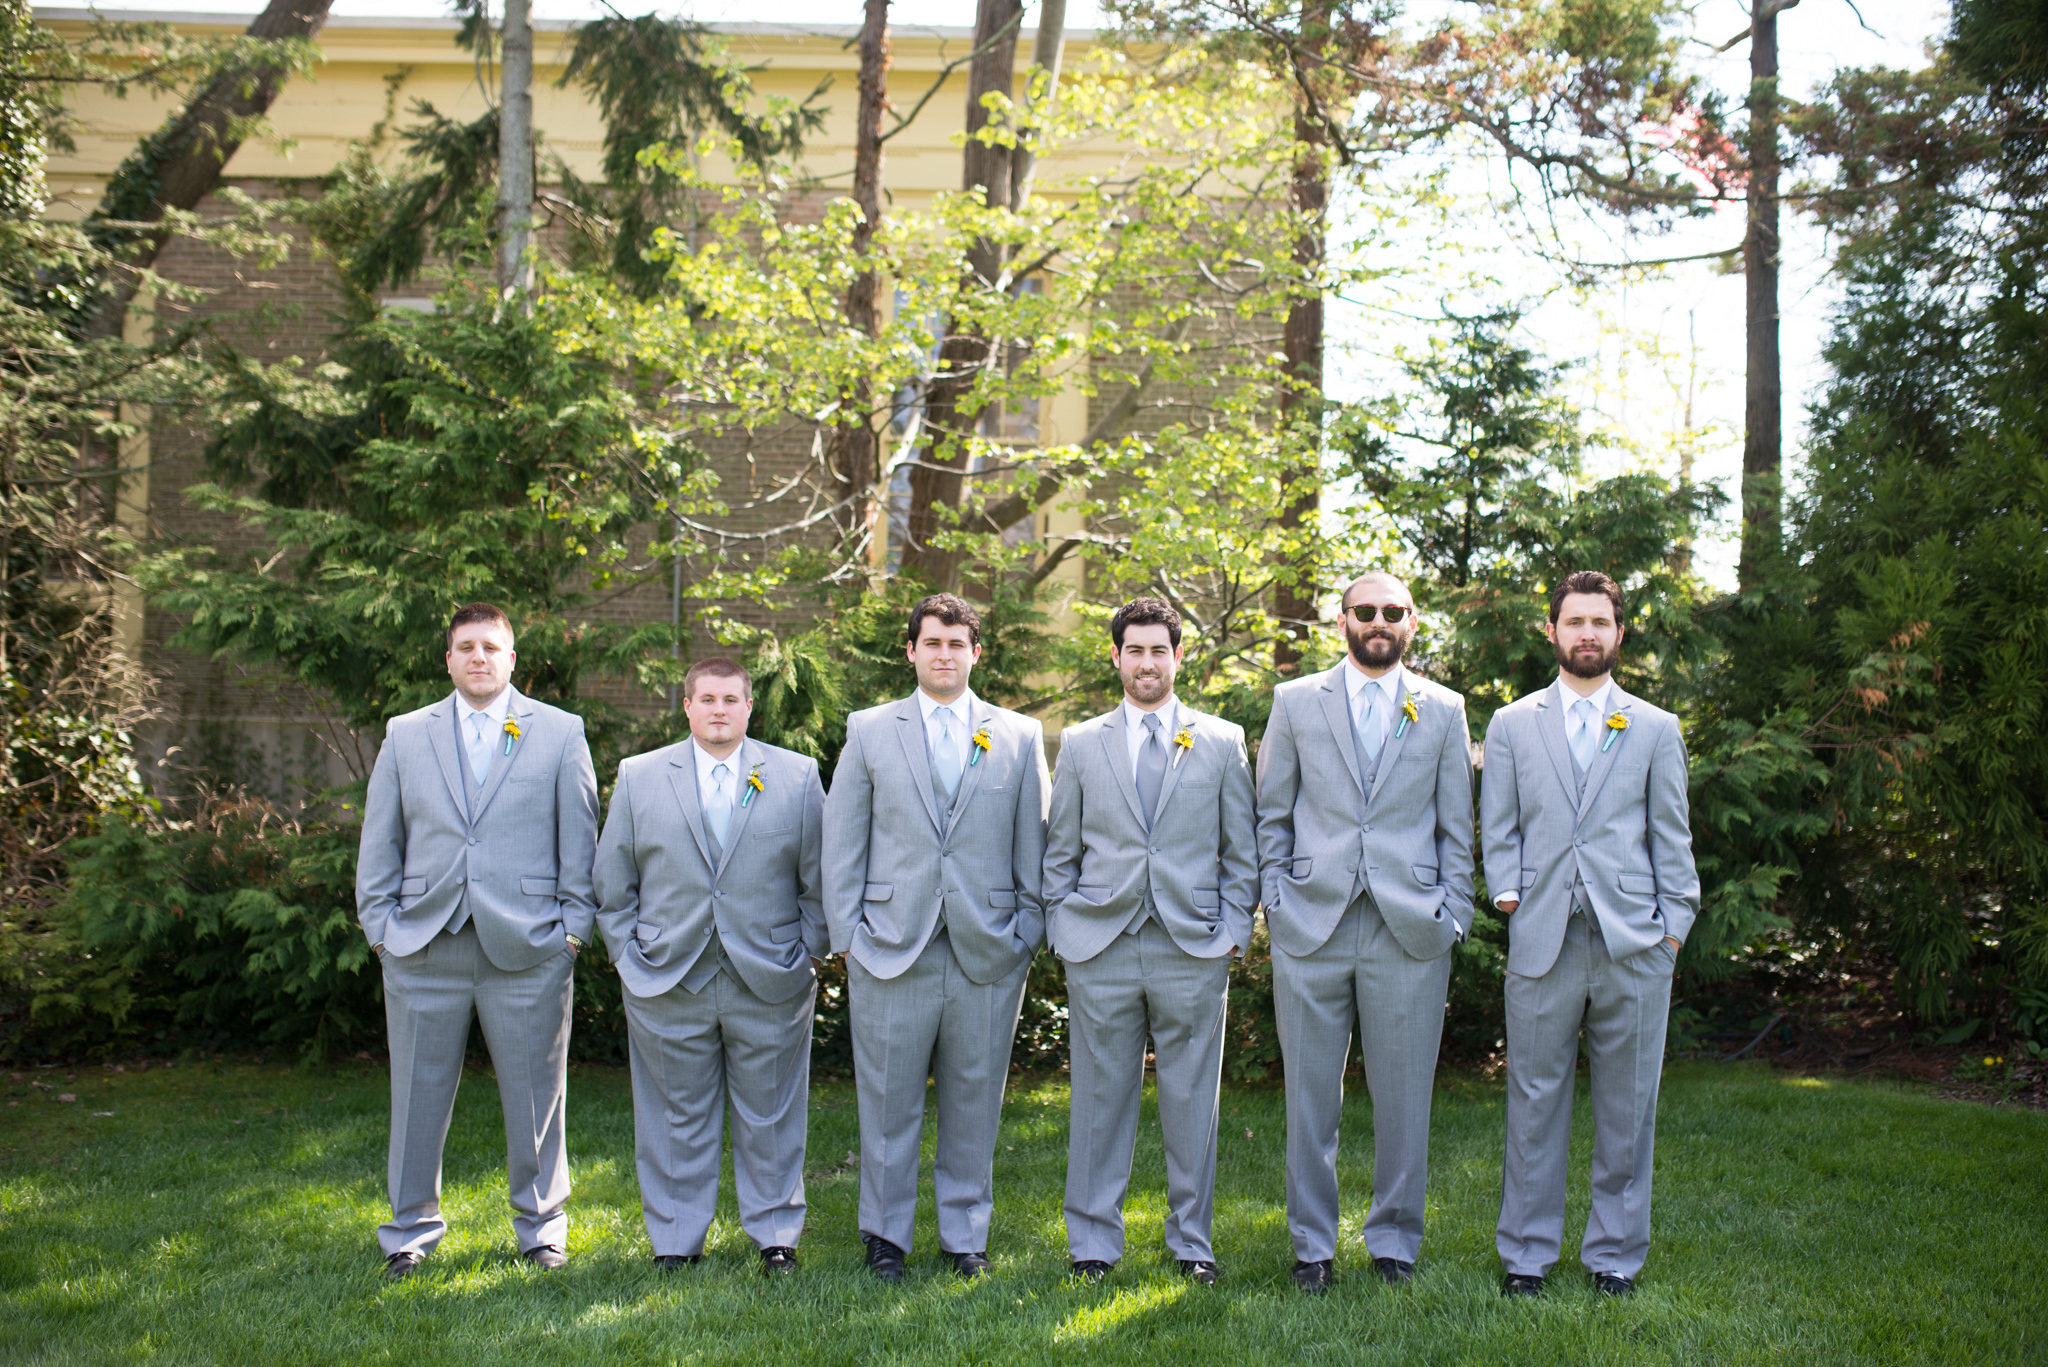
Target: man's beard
[(1587, 666), (1376, 651), (1148, 688)]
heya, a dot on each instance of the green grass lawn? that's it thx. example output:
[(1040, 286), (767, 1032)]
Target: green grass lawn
[(227, 1213)]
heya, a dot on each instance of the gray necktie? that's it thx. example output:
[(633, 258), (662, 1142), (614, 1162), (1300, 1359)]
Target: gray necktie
[(1583, 732), (718, 811), (1151, 769), (1365, 721), (946, 753), (479, 746)]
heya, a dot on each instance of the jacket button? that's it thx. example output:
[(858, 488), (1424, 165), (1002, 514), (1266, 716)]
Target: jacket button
[(1155, 849), (716, 893), (472, 840), (1368, 830)]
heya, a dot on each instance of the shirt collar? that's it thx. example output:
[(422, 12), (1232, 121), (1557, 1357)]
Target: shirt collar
[(706, 762), (927, 705), (1389, 682), (1603, 701), (496, 712), (1134, 716)]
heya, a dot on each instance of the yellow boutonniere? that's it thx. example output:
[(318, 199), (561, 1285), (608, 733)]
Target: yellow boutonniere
[(511, 733), (981, 743), (754, 785), (1183, 741), (1616, 724), (1408, 713)]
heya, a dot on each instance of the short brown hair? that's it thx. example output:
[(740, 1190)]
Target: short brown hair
[(951, 609), (719, 667), (477, 612), (1587, 581), (1145, 612)]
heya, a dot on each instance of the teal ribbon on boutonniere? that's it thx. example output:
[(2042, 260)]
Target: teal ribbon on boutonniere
[(754, 785), (981, 745), (1616, 724), (1408, 713), (511, 733)]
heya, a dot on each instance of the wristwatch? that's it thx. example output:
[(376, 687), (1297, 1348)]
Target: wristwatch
[(574, 943)]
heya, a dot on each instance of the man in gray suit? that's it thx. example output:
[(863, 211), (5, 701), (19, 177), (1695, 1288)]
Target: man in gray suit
[(709, 900), (473, 886), (1150, 878), (934, 847), (1365, 853), (1589, 852)]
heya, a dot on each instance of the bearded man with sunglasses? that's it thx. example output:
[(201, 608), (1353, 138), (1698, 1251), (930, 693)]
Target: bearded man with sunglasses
[(1365, 860)]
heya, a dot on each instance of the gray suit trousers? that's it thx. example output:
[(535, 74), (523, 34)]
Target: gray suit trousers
[(1143, 981), (693, 1053), (931, 1021), (1624, 1005), (1360, 974), (428, 998)]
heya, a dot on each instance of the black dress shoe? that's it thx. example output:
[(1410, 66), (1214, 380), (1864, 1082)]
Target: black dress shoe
[(401, 1265), (547, 1257), (1393, 1271), (1200, 1271), (970, 1265), (1516, 1285), (1314, 1278), (1090, 1270), (778, 1261), (671, 1262), (1610, 1284), (885, 1260)]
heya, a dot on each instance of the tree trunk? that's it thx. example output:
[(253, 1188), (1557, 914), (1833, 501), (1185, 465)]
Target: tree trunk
[(1047, 47), (938, 481), (1763, 400), (515, 153), (192, 151), (855, 450), (1301, 400)]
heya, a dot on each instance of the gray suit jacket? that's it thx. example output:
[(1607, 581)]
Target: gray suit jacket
[(892, 866), (1328, 832), (516, 852), (660, 895), (1629, 837), (1198, 863)]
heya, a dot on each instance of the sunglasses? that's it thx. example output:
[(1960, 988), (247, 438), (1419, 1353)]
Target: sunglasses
[(1390, 614)]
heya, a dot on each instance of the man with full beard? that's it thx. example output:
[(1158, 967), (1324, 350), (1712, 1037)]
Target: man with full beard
[(1365, 857), (1589, 852)]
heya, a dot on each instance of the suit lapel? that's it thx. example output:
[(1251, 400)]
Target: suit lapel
[(1181, 720), (1397, 738), (1550, 721), (441, 730), (748, 755), (1116, 749), (972, 767), (682, 777), (1337, 711), (910, 731), (521, 711), (1603, 758)]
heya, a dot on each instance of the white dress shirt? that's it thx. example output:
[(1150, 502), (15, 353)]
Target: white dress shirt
[(707, 783), (490, 717), (1134, 728), (962, 732), (1384, 707)]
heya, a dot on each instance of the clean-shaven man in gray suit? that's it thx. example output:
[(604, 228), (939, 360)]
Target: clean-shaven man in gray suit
[(709, 900), (934, 847), (473, 886), (1589, 851), (1151, 873), (1365, 853)]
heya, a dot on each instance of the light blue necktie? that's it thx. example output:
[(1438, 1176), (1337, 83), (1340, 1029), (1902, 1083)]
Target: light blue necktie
[(1151, 769), (479, 746), (946, 752), (1583, 732), (718, 811), (1365, 719)]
